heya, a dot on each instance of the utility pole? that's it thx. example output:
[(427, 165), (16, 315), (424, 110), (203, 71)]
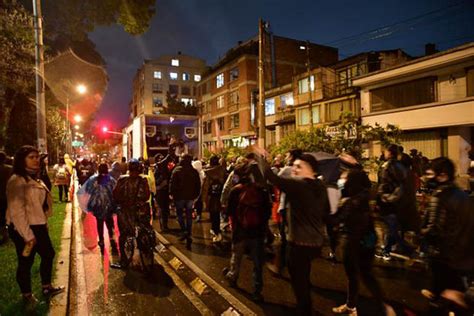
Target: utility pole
[(39, 71), (310, 99), (261, 85)]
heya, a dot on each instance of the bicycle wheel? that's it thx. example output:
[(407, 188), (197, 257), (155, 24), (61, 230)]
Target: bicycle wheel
[(129, 248)]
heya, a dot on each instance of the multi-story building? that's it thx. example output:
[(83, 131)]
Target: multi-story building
[(328, 89), (229, 90), (430, 98), (164, 103)]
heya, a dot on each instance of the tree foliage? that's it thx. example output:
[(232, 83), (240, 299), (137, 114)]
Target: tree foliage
[(348, 135)]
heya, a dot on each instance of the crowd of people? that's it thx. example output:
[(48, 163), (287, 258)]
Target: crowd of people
[(246, 195)]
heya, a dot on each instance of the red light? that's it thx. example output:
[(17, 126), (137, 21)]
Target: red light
[(105, 129)]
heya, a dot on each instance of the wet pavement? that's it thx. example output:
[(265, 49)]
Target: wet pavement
[(190, 282)]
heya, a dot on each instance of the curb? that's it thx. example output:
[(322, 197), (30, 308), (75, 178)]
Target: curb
[(58, 305)]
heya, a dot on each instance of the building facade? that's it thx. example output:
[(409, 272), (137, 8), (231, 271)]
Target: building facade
[(430, 98), (228, 92), (164, 104)]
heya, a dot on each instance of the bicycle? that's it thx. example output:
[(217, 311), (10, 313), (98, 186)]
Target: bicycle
[(144, 240)]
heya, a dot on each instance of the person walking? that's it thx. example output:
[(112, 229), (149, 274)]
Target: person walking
[(29, 206), (308, 210), (5, 174), (198, 205), (132, 195), (249, 210), (162, 178), (62, 178), (101, 203), (215, 177), (391, 193), (448, 234), (358, 240), (43, 175), (185, 187)]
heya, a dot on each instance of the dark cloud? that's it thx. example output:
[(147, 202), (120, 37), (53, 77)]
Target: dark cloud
[(208, 28)]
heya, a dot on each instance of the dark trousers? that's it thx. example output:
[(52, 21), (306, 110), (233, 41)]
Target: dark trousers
[(126, 224), (358, 265), (43, 247), (198, 206), (62, 188), (282, 226), (255, 248), (3, 213), (393, 236), (109, 221), (299, 266), (214, 208), (184, 211), (163, 200)]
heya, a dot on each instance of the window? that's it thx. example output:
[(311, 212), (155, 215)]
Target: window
[(234, 121), (303, 117), (185, 76), (345, 75), (157, 88), (220, 101), (157, 102), (174, 89), (173, 75), (157, 74), (207, 128), (303, 85), (187, 101), (315, 110), (420, 91), (175, 62), (220, 80), (185, 90), (470, 82), (206, 107), (286, 100), (269, 106), (197, 78), (335, 109), (234, 98), (234, 74), (220, 123)]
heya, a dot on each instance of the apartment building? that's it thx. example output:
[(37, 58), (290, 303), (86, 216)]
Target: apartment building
[(228, 92), (329, 91), (164, 103), (430, 98)]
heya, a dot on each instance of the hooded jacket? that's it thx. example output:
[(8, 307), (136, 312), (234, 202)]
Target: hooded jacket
[(185, 183), (213, 174)]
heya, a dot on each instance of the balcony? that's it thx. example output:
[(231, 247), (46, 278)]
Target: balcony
[(285, 116), (233, 107)]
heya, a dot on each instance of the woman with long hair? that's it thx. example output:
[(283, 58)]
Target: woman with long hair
[(29, 206)]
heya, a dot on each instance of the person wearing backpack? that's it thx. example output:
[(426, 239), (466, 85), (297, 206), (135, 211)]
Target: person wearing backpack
[(215, 177), (62, 178), (249, 210)]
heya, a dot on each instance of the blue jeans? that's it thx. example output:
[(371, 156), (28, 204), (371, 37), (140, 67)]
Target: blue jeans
[(255, 245), (187, 207), (393, 237)]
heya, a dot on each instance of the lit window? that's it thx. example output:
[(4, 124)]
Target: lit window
[(234, 73), (197, 78), (173, 75), (220, 123), (185, 76), (157, 102), (175, 62), (303, 117), (303, 86), (269, 106), (220, 101), (311, 83), (220, 80), (286, 100), (234, 121), (187, 101), (234, 97), (157, 74)]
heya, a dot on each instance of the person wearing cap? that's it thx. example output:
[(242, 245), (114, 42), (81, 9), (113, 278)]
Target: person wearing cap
[(308, 210)]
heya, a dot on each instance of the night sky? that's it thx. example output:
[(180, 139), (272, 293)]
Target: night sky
[(208, 28)]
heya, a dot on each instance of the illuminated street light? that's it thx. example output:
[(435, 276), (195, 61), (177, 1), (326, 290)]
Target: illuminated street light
[(81, 89), (77, 118), (105, 129), (76, 127)]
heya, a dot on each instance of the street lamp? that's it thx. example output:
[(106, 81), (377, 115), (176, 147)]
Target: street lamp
[(76, 127), (77, 118), (80, 89)]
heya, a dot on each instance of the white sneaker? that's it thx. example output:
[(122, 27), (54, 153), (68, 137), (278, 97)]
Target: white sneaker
[(344, 309)]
